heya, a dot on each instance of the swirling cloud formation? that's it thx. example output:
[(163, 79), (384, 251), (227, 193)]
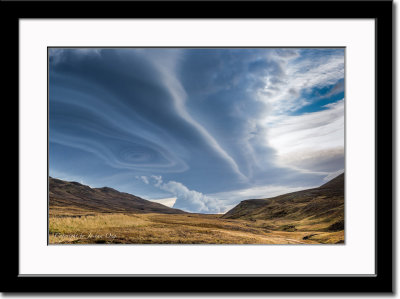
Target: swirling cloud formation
[(209, 121)]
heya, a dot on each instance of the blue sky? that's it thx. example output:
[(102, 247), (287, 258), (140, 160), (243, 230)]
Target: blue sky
[(197, 129)]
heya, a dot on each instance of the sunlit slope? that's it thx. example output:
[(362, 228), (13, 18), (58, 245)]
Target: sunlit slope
[(72, 198), (323, 206)]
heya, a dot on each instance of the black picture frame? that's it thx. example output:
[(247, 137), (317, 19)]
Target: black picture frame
[(381, 11)]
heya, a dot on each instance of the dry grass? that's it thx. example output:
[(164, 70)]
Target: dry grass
[(183, 229)]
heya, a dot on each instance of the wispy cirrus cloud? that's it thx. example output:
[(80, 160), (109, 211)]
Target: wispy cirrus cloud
[(210, 121), (312, 142), (169, 78), (296, 75)]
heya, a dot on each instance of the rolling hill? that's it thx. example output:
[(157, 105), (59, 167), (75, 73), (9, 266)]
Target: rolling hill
[(323, 205), (72, 198), (79, 214)]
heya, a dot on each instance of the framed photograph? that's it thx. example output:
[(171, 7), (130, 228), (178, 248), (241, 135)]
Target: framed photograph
[(199, 148)]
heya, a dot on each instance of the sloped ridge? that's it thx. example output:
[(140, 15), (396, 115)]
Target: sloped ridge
[(325, 202), (336, 183), (75, 198)]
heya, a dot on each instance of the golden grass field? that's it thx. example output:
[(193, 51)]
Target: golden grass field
[(129, 228)]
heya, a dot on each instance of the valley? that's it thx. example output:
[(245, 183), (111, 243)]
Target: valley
[(79, 214)]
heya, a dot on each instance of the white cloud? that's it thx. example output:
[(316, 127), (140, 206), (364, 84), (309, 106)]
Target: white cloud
[(143, 178), (158, 180), (186, 199), (282, 91), (215, 203), (285, 80), (312, 142)]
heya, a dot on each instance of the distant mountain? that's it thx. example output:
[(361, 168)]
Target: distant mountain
[(75, 198), (325, 203)]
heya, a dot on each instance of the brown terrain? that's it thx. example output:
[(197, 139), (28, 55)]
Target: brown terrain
[(70, 198), (79, 214)]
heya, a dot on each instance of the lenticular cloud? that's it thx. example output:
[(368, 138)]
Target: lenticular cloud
[(210, 121)]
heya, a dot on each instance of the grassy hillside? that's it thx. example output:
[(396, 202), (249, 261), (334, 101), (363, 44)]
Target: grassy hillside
[(321, 209), (72, 198), (79, 214)]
